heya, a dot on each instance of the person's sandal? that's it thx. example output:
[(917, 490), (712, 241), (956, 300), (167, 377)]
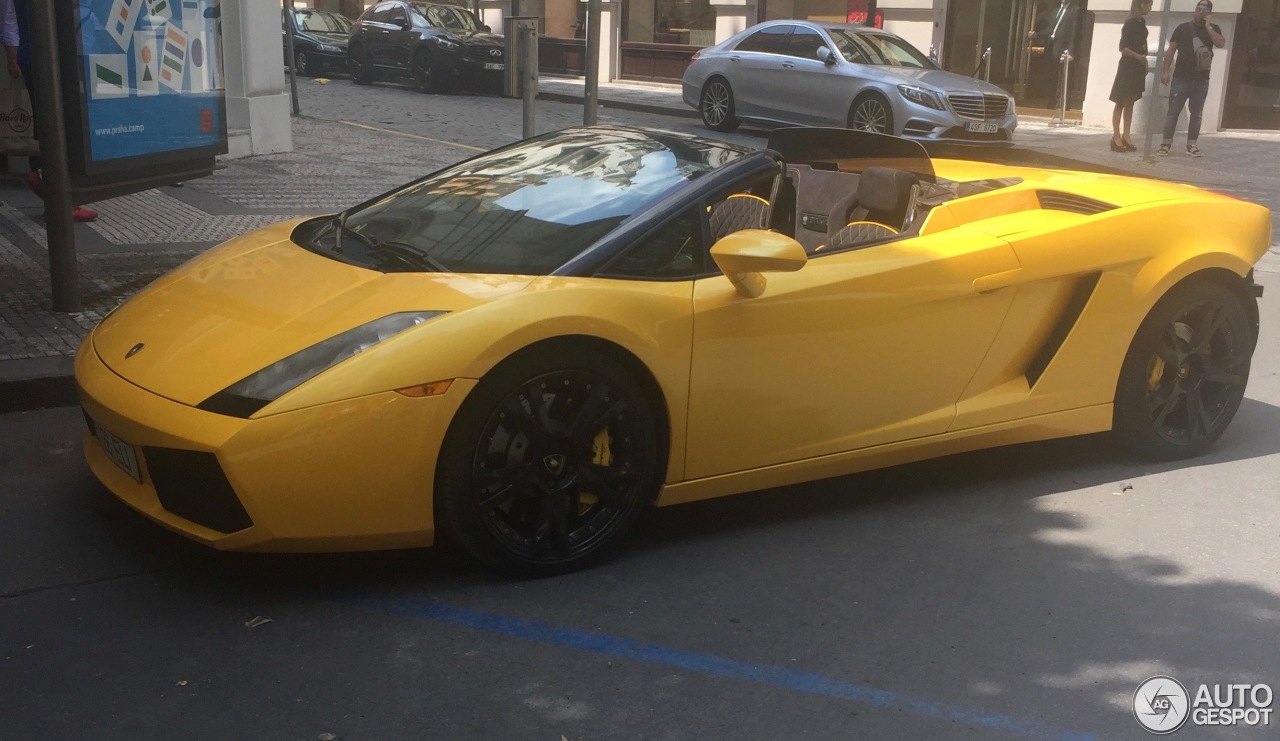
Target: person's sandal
[(1164, 150), (1194, 151)]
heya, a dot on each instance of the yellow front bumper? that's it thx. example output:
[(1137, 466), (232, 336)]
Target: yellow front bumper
[(348, 475)]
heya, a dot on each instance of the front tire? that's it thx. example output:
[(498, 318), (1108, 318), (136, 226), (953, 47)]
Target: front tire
[(1185, 373), (548, 463), (425, 76), (358, 65), (870, 112), (717, 107)]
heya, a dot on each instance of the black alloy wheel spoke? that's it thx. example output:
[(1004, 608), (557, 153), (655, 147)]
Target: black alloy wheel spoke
[(1198, 422), (553, 531), (585, 419), (609, 485), (532, 427), (1156, 402), (501, 496), (1225, 371), (514, 474), (1211, 321)]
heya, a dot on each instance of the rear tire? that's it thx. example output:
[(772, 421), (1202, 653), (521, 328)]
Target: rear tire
[(717, 107), (871, 112), (1185, 373), (548, 463), (302, 64)]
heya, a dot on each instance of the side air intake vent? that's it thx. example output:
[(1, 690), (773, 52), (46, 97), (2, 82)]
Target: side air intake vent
[(1056, 201)]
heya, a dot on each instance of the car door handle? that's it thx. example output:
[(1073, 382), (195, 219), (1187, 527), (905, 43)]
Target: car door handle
[(735, 59), (996, 281), (788, 65)]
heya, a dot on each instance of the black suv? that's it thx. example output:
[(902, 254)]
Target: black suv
[(435, 44)]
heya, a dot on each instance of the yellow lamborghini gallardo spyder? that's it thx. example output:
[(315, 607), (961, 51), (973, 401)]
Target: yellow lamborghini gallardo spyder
[(525, 349)]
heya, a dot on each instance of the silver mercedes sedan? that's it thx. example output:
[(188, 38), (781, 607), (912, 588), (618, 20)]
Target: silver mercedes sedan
[(835, 74)]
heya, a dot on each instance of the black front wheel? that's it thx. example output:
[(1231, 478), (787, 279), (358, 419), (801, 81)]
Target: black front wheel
[(425, 76), (1185, 373), (549, 463), (358, 66)]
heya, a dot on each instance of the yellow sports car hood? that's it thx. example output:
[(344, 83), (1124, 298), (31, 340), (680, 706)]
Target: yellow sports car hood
[(259, 298)]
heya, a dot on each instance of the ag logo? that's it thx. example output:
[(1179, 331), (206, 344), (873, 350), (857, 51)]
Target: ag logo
[(1161, 704)]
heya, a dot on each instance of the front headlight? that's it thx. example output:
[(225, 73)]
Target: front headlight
[(330, 49), (249, 395), (447, 43), (926, 98)]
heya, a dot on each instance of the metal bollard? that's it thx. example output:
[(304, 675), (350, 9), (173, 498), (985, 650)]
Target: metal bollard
[(1061, 120), (529, 74), (986, 65)]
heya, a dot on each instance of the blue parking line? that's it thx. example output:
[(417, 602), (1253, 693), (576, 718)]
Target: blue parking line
[(814, 684)]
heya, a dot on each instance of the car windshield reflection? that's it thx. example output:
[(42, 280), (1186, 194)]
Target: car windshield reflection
[(527, 209), (867, 48)]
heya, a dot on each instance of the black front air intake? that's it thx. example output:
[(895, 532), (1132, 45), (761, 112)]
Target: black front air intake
[(191, 485)]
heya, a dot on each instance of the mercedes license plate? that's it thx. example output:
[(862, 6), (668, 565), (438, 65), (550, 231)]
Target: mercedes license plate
[(983, 127), (120, 452), (493, 65)]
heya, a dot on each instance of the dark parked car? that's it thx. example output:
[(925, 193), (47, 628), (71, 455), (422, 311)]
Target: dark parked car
[(319, 41), (434, 44)]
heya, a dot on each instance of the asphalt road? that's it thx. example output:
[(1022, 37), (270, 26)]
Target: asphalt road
[(1015, 593)]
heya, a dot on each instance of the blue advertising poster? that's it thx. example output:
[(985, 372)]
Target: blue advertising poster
[(152, 76)]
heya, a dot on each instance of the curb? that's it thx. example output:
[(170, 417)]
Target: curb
[(660, 110), (27, 384)]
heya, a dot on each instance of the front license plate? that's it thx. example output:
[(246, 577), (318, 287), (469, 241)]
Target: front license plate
[(494, 65), (120, 452), (984, 127)]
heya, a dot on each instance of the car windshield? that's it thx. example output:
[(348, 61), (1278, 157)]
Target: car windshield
[(319, 21), (874, 48), (526, 209), (448, 17)]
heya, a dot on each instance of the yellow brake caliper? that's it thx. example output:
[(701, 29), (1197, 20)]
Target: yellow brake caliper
[(601, 455), (1157, 372)]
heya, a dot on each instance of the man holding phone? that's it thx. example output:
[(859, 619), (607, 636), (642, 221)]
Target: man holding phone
[(1193, 42)]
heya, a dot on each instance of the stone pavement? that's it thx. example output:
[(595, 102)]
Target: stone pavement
[(348, 152)]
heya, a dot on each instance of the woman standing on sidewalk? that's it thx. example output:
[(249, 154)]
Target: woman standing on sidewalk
[(1131, 76)]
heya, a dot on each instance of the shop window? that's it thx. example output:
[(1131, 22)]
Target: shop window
[(667, 22)]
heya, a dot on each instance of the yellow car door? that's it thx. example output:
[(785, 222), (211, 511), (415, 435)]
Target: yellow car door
[(856, 349)]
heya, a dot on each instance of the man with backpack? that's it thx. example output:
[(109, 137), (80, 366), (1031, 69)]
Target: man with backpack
[(1193, 42)]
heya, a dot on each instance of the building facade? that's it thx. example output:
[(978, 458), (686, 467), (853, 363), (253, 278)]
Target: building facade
[(652, 40)]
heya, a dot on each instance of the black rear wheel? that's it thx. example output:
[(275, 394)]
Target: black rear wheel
[(1185, 373), (548, 463)]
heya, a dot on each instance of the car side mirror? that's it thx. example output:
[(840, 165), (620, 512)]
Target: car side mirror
[(403, 23), (744, 255), (826, 56), (485, 27)]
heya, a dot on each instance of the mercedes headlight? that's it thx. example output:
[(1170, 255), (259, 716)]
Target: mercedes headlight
[(249, 395), (926, 98)]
